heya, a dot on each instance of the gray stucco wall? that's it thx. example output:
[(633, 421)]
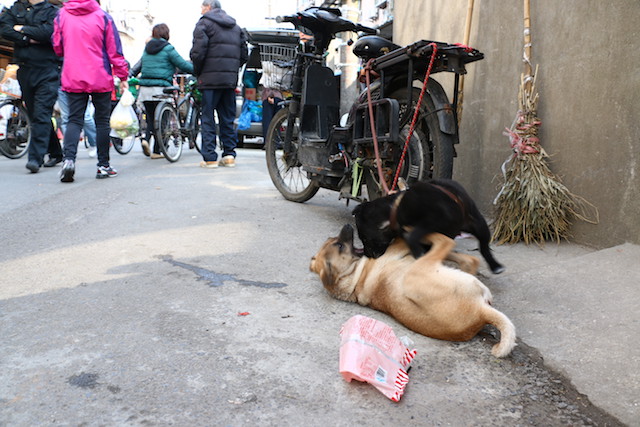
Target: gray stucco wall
[(589, 83)]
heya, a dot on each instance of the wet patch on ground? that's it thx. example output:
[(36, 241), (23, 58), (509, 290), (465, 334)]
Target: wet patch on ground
[(84, 380), (214, 279)]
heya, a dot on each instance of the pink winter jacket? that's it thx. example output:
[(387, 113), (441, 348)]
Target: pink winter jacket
[(87, 38)]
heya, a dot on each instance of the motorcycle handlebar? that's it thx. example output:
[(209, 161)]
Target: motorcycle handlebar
[(289, 18), (366, 30), (295, 19)]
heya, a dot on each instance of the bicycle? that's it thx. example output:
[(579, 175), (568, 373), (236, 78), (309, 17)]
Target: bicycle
[(178, 119), (15, 128)]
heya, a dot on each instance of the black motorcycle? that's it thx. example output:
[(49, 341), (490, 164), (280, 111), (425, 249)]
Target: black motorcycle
[(401, 127)]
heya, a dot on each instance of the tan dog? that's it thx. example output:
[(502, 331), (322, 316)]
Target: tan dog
[(422, 294)]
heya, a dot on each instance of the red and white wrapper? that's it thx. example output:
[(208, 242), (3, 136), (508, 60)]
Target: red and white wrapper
[(370, 352)]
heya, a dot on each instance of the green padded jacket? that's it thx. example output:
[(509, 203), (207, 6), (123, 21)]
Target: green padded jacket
[(159, 63)]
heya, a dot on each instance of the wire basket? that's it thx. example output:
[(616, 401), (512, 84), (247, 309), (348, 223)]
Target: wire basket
[(277, 65)]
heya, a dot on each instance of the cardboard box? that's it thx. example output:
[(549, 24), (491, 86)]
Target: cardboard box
[(250, 93)]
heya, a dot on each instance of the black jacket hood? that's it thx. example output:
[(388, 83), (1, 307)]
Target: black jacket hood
[(220, 17), (155, 45)]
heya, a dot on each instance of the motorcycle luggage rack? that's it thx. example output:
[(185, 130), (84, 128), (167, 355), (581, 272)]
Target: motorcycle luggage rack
[(449, 57), (386, 113)]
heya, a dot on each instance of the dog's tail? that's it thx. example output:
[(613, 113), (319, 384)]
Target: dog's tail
[(506, 328)]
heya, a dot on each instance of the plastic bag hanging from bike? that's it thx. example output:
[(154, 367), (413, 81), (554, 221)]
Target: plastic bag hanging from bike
[(124, 121)]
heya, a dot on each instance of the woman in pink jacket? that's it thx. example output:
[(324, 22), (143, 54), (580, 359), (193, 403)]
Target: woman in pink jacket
[(87, 38)]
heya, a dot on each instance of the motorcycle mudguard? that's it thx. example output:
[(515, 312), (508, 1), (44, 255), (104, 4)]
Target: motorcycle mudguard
[(435, 91), (321, 104)]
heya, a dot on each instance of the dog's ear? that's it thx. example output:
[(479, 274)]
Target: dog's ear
[(326, 276), (357, 210)]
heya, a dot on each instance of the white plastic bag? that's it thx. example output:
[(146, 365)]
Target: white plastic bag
[(123, 117), (11, 87)]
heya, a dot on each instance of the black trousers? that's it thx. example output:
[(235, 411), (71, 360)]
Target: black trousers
[(77, 107), (39, 85)]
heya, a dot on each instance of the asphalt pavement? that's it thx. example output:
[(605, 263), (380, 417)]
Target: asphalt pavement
[(176, 295)]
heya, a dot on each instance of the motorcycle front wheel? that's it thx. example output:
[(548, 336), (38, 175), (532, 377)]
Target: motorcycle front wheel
[(284, 168)]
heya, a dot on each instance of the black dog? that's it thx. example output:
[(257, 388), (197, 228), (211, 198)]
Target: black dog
[(441, 206)]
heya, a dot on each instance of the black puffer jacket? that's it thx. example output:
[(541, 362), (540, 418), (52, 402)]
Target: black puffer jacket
[(219, 50)]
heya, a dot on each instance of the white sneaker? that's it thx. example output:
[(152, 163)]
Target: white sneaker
[(92, 152)]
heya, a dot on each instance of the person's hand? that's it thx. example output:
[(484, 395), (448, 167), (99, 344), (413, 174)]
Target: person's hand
[(18, 28), (124, 85)]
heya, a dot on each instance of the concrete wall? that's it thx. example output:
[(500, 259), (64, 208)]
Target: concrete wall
[(589, 82)]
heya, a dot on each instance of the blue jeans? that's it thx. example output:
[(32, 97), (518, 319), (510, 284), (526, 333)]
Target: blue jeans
[(89, 124), (77, 106), (223, 101)]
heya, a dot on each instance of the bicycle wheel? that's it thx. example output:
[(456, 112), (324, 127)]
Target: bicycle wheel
[(189, 112), (123, 146), (168, 133), (15, 123), (196, 138), (284, 168)]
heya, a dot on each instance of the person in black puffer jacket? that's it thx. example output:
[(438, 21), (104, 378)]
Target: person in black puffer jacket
[(219, 50)]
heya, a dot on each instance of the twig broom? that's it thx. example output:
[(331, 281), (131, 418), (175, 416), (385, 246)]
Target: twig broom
[(533, 205)]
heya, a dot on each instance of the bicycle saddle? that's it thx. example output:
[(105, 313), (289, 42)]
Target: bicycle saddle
[(170, 89), (369, 47)]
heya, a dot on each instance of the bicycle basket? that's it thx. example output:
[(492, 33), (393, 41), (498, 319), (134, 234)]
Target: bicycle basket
[(277, 65)]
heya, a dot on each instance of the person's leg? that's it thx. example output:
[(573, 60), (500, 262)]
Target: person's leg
[(77, 104), (226, 110), (54, 149), (46, 84), (208, 126), (102, 104), (150, 106), (63, 104), (268, 111), (28, 80), (150, 110), (90, 125)]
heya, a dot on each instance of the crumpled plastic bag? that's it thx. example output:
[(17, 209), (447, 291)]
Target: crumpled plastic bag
[(124, 121), (9, 83), (370, 352), (251, 112)]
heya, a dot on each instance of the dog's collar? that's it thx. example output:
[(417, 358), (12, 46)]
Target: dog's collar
[(393, 216), (453, 197)]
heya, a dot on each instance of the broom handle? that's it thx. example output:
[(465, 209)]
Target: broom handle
[(528, 70), (465, 41), (467, 25)]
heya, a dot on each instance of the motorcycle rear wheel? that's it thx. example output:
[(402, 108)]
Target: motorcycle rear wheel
[(430, 151), (284, 168), (436, 146)]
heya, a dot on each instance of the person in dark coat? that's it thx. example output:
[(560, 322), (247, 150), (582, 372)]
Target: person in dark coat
[(29, 25), (219, 50)]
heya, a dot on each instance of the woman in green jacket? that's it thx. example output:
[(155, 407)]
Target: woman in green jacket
[(158, 65)]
